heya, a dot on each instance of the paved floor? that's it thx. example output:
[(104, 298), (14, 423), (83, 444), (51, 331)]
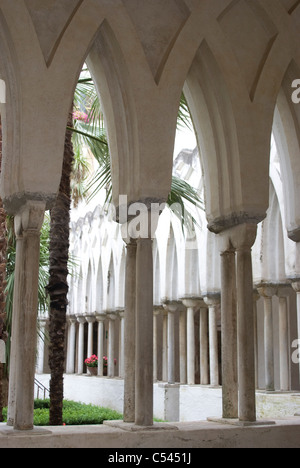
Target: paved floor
[(284, 433)]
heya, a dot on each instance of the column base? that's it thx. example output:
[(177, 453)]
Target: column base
[(237, 422), (132, 427), (9, 431)]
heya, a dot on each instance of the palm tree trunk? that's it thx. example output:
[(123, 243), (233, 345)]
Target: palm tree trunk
[(3, 258), (58, 284)]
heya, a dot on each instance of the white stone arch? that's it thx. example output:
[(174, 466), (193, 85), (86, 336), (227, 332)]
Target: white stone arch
[(286, 130)]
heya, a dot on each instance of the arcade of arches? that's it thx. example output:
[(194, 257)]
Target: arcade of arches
[(237, 62)]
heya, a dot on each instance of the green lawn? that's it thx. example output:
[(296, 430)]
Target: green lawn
[(74, 414)]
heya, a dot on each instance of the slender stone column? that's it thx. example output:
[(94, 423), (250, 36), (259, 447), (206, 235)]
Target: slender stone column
[(204, 354), (165, 347), (111, 345), (130, 332), (100, 346), (296, 287), (156, 313), (191, 305), (71, 345), (267, 292), (213, 301), (90, 320), (41, 346), (171, 309), (81, 321), (122, 344), (28, 224), (229, 335), (144, 333), (256, 296), (245, 238), (282, 294), (183, 347)]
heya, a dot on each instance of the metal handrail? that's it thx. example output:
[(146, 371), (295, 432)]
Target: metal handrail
[(41, 387)]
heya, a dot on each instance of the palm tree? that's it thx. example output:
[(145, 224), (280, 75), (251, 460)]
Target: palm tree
[(3, 251), (58, 281)]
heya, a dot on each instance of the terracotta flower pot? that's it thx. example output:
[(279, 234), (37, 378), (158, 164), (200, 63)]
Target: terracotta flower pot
[(93, 371)]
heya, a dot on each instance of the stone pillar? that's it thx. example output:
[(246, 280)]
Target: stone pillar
[(130, 333), (100, 346), (191, 305), (229, 334), (111, 345), (122, 345), (156, 313), (282, 294), (245, 238), (81, 321), (90, 320), (183, 347), (213, 301), (296, 287), (171, 309), (71, 345), (165, 347), (41, 346), (204, 354), (256, 296), (267, 292), (239, 239), (28, 223), (144, 333)]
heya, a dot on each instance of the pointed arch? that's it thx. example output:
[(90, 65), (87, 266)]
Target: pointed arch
[(286, 130)]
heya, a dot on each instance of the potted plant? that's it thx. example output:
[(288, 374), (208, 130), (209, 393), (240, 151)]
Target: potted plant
[(92, 364)]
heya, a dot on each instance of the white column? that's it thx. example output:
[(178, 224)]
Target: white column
[(144, 333), (245, 238), (229, 334), (191, 305), (130, 333), (28, 223), (41, 346), (100, 345), (81, 321), (90, 348), (122, 345), (71, 345), (296, 287), (165, 347), (156, 313), (171, 309), (204, 354), (267, 292), (256, 297), (283, 293), (213, 302), (183, 346), (111, 345)]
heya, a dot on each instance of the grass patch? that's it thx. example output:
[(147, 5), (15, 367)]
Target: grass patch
[(74, 414)]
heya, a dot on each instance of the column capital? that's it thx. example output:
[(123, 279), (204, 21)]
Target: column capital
[(171, 306), (81, 318), (212, 299), (296, 285), (30, 217), (71, 318), (284, 290), (240, 237), (267, 290), (100, 317), (191, 302), (90, 318), (111, 315), (157, 310)]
